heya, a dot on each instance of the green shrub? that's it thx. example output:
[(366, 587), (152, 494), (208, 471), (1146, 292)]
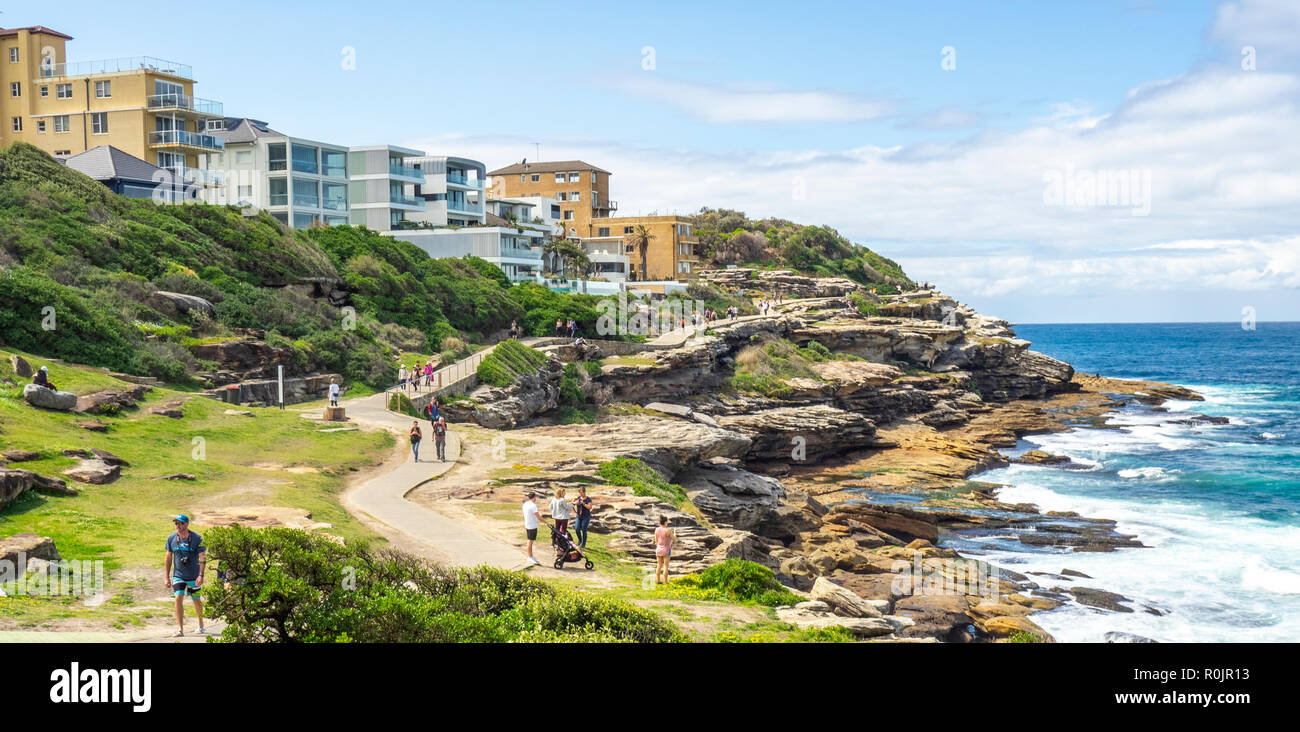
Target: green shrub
[(292, 586), (742, 581), (574, 415), (571, 386), (593, 369)]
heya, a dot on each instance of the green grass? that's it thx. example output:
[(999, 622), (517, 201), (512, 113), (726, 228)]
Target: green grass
[(125, 522), (764, 367), (509, 360), (642, 479)]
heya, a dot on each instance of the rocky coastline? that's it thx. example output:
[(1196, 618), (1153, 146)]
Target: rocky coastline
[(846, 483)]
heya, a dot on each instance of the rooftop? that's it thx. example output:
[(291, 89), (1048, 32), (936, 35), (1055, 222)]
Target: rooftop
[(559, 166), (4, 32), (106, 162)]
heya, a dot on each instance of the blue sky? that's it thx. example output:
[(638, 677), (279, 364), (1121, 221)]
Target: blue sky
[(845, 103)]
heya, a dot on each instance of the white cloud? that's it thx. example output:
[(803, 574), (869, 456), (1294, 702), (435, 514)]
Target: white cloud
[(1219, 143), (731, 103)]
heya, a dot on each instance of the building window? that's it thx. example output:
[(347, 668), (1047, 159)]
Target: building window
[(245, 192), (18, 124), (559, 177), (61, 123), (45, 91), (522, 178), (277, 156), (568, 214), (63, 91), (99, 123), (278, 188), (535, 178), (243, 157), (40, 125), (630, 248), (627, 229), (575, 177), (334, 163), (215, 125), (593, 176), (103, 89), (602, 231), (13, 55), (576, 196), (15, 89), (561, 196)]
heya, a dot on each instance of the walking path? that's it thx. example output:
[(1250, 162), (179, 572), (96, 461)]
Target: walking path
[(384, 497)]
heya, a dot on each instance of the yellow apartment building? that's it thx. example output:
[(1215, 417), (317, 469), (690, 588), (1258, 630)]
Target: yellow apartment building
[(141, 105), (670, 255), (581, 189)]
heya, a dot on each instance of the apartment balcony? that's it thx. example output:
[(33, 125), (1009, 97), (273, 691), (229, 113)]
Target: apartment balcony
[(191, 176), (464, 181), (172, 139), (465, 207), (404, 200), (405, 171), (123, 65), (185, 104), (606, 206)]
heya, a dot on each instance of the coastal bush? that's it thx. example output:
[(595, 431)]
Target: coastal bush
[(293, 586), (507, 362), (763, 368), (571, 385), (593, 369), (642, 479), (739, 580), (574, 415)]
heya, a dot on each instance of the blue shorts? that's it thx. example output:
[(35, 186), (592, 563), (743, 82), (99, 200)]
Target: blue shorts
[(185, 587)]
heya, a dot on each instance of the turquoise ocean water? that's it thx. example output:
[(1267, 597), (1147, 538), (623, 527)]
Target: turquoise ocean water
[(1218, 505)]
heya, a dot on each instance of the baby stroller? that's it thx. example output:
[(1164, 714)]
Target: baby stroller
[(569, 551)]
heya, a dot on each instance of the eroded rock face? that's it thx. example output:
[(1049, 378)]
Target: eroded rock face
[(670, 446), (783, 281), (95, 472), (743, 500), (39, 396), (22, 369), (510, 406), (801, 433)]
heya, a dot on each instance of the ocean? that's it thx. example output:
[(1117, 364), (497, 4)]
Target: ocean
[(1217, 504)]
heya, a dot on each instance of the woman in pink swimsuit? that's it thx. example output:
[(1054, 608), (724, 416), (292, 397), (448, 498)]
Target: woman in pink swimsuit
[(664, 538)]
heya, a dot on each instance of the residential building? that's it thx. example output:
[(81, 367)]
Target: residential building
[(609, 260), (124, 174), (672, 251), (452, 191), (380, 181), (581, 189), (141, 105), (303, 183), (514, 248)]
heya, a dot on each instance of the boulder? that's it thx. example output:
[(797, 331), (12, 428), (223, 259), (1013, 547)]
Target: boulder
[(842, 601), (111, 400), (1102, 599), (905, 523), (95, 472), (1005, 626), (39, 396), (802, 433), (676, 410), (1116, 636), (19, 456), (178, 476), (93, 426), (941, 616), (22, 369), (167, 412), (28, 544), (744, 500), (175, 304), (1038, 457)]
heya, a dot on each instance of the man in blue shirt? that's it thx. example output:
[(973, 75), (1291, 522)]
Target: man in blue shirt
[(186, 560)]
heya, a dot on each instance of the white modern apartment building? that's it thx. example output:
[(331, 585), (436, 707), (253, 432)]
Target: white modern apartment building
[(302, 183), (381, 182), (514, 248), (609, 260), (452, 191)]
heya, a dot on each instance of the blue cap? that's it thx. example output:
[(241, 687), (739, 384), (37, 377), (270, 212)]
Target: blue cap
[(182, 518)]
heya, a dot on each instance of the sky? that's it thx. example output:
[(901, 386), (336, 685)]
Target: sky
[(1123, 161)]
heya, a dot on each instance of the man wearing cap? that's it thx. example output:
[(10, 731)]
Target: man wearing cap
[(186, 560), (42, 378)]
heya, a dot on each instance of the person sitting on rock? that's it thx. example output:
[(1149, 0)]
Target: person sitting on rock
[(42, 378)]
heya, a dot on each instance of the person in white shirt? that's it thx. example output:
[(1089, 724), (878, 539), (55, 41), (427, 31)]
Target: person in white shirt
[(334, 393), (530, 524)]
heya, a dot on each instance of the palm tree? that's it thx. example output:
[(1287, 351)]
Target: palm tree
[(550, 253), (640, 239)]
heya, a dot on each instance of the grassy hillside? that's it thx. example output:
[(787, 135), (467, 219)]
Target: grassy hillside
[(94, 258), (731, 237), (244, 461)]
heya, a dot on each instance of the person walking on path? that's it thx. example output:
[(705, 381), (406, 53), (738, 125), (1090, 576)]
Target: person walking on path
[(559, 327), (664, 538), (416, 435), (186, 561), (514, 329), (440, 438), (401, 376), (560, 512), (530, 524), (582, 508), (334, 392), (428, 373), (432, 412)]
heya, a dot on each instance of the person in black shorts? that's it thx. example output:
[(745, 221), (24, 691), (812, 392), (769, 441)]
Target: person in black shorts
[(530, 524), (183, 568)]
